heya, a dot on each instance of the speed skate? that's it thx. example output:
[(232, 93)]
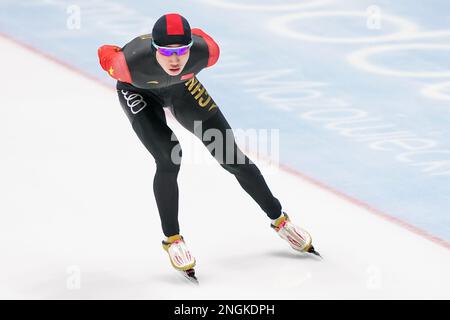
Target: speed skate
[(180, 257), (298, 238)]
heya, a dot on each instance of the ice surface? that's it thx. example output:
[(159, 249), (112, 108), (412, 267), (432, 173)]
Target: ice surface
[(77, 199)]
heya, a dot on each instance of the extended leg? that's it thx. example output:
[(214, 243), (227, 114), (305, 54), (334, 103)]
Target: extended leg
[(193, 104), (232, 159)]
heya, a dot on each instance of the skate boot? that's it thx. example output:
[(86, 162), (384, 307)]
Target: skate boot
[(298, 239), (180, 256)]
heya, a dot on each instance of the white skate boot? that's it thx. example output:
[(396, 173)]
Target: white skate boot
[(298, 238), (180, 257)]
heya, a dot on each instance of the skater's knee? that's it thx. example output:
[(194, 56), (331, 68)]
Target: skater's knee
[(241, 169), (169, 159), (168, 165)]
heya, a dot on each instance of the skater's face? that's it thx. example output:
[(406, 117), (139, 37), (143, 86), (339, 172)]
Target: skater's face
[(174, 64)]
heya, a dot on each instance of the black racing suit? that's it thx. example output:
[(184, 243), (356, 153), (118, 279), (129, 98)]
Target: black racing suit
[(144, 89)]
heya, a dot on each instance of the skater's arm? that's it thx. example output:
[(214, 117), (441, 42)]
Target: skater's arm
[(112, 60)]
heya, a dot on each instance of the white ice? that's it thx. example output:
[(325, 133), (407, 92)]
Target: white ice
[(78, 217)]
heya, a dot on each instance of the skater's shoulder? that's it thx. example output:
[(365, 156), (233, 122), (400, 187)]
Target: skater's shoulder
[(139, 45), (205, 43)]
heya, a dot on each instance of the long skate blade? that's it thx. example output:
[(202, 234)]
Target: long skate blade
[(190, 276), (313, 251)]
